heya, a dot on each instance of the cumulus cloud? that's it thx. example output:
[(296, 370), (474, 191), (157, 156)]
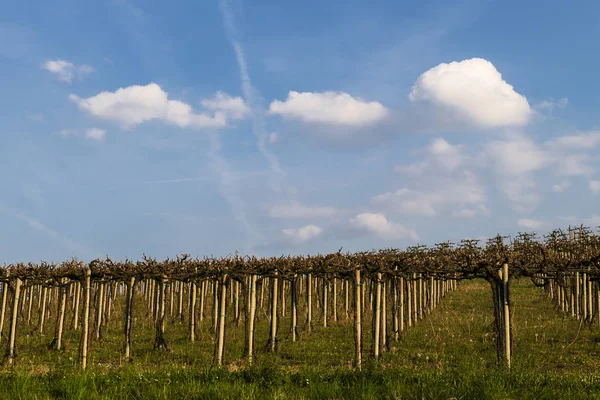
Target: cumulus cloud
[(65, 70), (234, 107), (303, 234), (475, 91), (298, 210), (595, 187), (95, 134), (561, 186), (378, 224), (530, 223), (329, 108), (134, 105)]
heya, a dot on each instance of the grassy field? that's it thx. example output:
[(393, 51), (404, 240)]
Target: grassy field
[(448, 355)]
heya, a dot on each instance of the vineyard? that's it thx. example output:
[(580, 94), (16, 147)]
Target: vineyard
[(236, 312)]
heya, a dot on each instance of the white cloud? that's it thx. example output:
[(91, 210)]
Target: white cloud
[(273, 137), (234, 107), (297, 210), (382, 227), (530, 223), (551, 104), (95, 134), (517, 155), (514, 160), (67, 132), (475, 91), (332, 108), (440, 154), (134, 105), (66, 70), (595, 187), (573, 165), (463, 191), (299, 235), (561, 186), (587, 140)]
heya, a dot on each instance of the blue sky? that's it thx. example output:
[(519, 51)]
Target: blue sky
[(269, 127)]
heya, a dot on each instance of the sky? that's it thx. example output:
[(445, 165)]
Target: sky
[(207, 127)]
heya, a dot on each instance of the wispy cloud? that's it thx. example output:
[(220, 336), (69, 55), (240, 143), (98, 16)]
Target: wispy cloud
[(65, 70), (227, 190), (251, 97), (74, 247)]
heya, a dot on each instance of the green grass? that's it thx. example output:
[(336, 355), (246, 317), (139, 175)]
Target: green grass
[(448, 355)]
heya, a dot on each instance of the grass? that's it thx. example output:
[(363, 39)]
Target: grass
[(448, 355)]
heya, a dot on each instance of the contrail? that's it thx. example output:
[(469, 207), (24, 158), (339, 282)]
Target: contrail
[(69, 244), (222, 169), (250, 97)]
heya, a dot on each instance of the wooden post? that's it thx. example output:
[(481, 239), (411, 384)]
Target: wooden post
[(83, 348), (335, 318), (293, 290), (357, 320), (77, 299), (377, 317), (43, 311), (192, 311), (506, 313), (251, 319), (309, 302), (12, 338), (273, 334), (324, 288), (129, 316), (221, 325), (3, 309)]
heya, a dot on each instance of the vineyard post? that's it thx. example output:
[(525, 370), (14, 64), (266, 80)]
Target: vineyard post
[(192, 311), (384, 294), (377, 317), (83, 349), (202, 293), (76, 305), (30, 303), (507, 339), (394, 288), (159, 340), (584, 311), (324, 287), (99, 311), (401, 304), (309, 302), (357, 320), (283, 284), (335, 318), (180, 294), (221, 325), (60, 317), (3, 310), (273, 335), (408, 302), (293, 289), (129, 316), (251, 319), (12, 338), (43, 311), (346, 297)]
